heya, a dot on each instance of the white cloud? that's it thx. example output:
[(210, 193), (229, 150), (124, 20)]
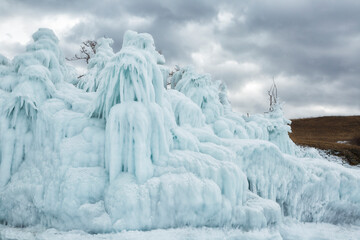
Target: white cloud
[(136, 21), (17, 31), (224, 19)]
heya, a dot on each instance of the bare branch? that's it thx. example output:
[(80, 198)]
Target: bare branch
[(87, 50)]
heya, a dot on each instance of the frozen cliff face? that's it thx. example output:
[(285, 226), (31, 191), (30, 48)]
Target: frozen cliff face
[(119, 151)]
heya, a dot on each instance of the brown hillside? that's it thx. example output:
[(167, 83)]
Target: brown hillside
[(325, 132)]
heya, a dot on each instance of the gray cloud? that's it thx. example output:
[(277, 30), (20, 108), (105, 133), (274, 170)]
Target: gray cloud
[(311, 47)]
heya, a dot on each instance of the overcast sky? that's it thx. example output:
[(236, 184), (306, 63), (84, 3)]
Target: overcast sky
[(310, 47)]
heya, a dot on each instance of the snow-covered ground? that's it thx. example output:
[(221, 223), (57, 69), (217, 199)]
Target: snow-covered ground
[(332, 158), (290, 230), (293, 230)]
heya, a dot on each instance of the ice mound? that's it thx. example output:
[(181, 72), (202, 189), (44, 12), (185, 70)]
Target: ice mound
[(120, 151)]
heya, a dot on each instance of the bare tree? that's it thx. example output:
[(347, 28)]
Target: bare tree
[(273, 96), (87, 50)]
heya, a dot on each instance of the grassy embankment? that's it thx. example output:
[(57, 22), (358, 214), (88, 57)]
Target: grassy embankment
[(327, 132)]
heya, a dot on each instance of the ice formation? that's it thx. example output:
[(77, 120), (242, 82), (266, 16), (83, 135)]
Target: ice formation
[(120, 151), (91, 81)]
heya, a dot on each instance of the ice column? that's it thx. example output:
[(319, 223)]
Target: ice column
[(36, 70), (130, 98)]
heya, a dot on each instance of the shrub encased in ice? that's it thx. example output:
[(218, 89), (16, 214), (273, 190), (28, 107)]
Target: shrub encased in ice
[(91, 81), (201, 90), (130, 75), (35, 72)]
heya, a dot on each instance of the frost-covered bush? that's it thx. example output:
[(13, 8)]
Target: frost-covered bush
[(201, 90), (130, 75), (91, 81), (120, 151), (33, 74)]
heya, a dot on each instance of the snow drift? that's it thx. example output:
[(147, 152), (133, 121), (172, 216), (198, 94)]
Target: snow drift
[(118, 150)]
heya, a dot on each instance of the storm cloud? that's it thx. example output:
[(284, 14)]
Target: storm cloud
[(310, 48)]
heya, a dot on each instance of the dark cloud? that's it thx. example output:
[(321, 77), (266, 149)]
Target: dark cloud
[(310, 38), (311, 47)]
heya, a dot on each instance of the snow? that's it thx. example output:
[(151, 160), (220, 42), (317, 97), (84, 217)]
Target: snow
[(290, 230), (159, 234), (118, 153)]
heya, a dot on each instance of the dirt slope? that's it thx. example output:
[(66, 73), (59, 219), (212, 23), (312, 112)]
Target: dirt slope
[(340, 135)]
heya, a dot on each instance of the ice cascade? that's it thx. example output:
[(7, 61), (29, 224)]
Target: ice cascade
[(130, 99)]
